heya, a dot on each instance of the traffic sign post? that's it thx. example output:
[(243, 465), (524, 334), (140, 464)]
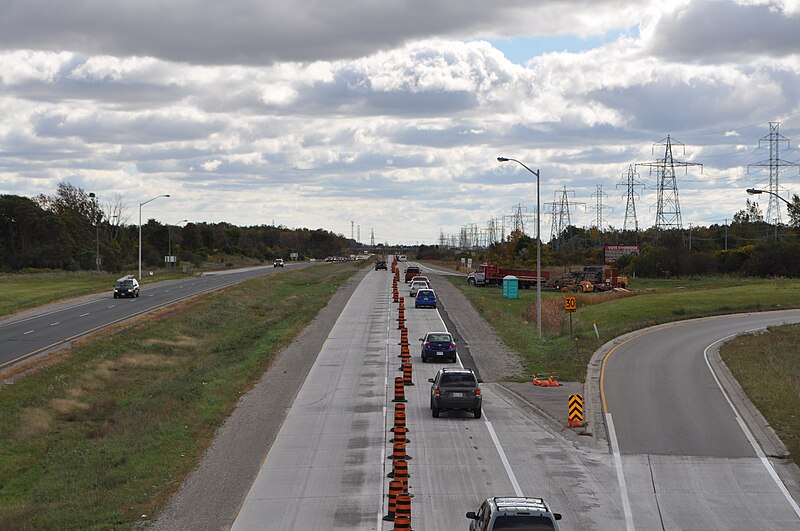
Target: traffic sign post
[(570, 306)]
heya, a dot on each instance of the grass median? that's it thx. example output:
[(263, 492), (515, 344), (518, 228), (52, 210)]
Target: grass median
[(108, 434)]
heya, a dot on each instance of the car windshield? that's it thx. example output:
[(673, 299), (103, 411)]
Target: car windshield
[(465, 380), (526, 522), (125, 284), (439, 338)]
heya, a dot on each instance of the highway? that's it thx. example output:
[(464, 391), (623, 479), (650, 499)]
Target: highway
[(40, 331), (327, 467)]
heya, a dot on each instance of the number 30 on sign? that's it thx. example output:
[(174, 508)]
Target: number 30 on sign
[(570, 304)]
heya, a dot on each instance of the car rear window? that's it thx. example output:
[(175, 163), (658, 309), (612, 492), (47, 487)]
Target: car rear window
[(439, 338), (466, 380), (528, 522)]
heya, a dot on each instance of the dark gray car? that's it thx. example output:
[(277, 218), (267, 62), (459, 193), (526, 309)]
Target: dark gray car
[(455, 389)]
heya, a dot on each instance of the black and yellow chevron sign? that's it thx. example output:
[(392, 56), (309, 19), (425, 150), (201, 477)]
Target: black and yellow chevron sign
[(575, 404)]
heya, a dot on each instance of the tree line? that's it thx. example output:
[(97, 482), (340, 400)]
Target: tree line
[(70, 230), (747, 246)]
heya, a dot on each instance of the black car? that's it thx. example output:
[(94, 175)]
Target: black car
[(126, 287), (381, 264), (455, 389)]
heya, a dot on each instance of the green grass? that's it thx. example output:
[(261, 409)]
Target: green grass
[(654, 302), (108, 433), (766, 367)]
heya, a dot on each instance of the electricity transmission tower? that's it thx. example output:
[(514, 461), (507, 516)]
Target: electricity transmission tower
[(775, 138), (372, 237), (668, 208), (631, 181), (560, 213), (599, 207)]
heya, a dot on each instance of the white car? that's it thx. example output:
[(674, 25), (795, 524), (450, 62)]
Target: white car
[(420, 277), (417, 285)]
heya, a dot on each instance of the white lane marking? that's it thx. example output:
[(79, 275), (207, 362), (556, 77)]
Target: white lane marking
[(747, 433), (503, 458), (56, 323), (112, 306), (623, 489), (492, 434), (84, 314), (28, 332)]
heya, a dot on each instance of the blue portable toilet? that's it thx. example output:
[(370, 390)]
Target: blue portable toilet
[(510, 287)]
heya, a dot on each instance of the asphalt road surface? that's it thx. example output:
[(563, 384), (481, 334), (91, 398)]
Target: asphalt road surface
[(43, 330), (686, 452)]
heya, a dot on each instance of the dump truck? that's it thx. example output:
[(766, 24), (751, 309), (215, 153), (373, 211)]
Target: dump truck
[(491, 274)]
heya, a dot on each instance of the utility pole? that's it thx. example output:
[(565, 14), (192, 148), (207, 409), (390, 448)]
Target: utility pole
[(351, 229), (668, 208), (359, 233), (775, 138)]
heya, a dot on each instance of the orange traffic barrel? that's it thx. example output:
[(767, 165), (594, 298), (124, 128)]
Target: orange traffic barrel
[(402, 514), (407, 379), (402, 523), (400, 472), (399, 390), (395, 488), (398, 452), (400, 436), (399, 420)]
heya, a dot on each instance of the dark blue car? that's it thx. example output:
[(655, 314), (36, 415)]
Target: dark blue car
[(425, 298), (438, 346)]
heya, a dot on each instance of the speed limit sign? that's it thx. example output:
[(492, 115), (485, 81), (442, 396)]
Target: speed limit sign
[(570, 303)]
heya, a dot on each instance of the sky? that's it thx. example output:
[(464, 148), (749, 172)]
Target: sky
[(385, 118)]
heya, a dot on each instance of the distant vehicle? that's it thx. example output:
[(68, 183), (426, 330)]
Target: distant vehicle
[(402, 258), (416, 285), (381, 264), (420, 277), (455, 389), (126, 286), (425, 298), (491, 273), (329, 259), (513, 513), (278, 262), (438, 346), (411, 272)]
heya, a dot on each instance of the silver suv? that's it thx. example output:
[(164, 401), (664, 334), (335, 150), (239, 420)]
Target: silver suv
[(513, 513)]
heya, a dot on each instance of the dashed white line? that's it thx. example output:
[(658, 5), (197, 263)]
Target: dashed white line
[(28, 332), (56, 323), (84, 314)]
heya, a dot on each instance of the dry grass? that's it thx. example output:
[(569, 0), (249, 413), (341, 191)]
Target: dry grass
[(553, 315), (34, 422)]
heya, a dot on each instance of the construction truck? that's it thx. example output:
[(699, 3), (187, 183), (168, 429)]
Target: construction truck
[(491, 274), (600, 278)]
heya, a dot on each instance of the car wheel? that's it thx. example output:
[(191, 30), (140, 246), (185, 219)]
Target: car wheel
[(137, 294), (471, 282), (477, 413), (435, 413)]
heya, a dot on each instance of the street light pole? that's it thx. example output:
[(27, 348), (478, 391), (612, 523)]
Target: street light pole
[(169, 247), (96, 231), (538, 247), (140, 230), (756, 191)]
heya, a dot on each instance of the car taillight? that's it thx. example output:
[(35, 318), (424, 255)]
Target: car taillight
[(452, 345), (437, 392), (478, 391), (427, 345)]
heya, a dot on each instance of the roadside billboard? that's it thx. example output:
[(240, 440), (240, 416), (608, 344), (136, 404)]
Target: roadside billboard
[(613, 252)]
